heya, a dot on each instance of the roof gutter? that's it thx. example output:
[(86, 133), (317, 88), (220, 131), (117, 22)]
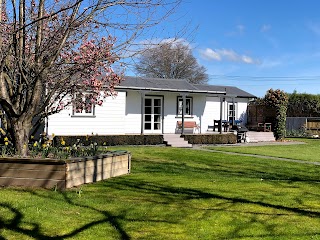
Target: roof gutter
[(170, 90)]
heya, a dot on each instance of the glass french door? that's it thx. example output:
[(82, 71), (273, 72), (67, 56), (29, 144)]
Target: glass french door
[(152, 118), (231, 112)]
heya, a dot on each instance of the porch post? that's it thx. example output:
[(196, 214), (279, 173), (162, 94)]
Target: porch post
[(233, 112), (183, 111), (142, 94), (221, 106)]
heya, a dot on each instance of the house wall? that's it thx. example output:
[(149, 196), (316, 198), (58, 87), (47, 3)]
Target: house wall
[(132, 118), (108, 119), (242, 110), (170, 111), (122, 114), (211, 112)]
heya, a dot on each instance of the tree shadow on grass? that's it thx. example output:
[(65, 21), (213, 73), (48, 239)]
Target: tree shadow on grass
[(167, 194), (180, 194), (15, 223), (161, 194), (260, 170), (16, 220)]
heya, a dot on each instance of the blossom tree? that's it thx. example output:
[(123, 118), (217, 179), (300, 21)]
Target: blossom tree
[(51, 50)]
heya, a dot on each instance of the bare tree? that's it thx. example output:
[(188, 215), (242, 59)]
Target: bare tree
[(171, 60), (51, 49)]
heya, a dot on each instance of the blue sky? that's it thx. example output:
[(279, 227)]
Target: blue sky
[(256, 45)]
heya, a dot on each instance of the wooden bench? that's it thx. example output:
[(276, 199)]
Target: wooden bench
[(188, 126), (264, 127)]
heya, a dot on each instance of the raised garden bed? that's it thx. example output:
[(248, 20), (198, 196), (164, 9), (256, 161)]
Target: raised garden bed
[(62, 174)]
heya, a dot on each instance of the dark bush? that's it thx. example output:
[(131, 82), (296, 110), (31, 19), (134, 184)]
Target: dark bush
[(109, 140), (211, 138)]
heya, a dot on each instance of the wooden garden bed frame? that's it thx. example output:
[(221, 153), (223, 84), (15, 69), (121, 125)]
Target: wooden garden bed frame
[(62, 174)]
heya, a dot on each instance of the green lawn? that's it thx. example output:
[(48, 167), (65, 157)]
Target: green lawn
[(307, 152), (175, 194)]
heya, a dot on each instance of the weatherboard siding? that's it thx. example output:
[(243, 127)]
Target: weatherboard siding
[(108, 119), (122, 114), (211, 112), (242, 109), (133, 113)]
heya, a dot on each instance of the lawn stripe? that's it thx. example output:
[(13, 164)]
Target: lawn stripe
[(258, 156)]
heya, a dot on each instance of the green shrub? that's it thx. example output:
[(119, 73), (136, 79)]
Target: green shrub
[(211, 138), (279, 100), (110, 140)]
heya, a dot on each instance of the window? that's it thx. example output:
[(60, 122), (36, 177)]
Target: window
[(231, 111), (188, 106), (84, 105)]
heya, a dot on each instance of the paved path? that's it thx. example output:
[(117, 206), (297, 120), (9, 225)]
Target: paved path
[(200, 148)]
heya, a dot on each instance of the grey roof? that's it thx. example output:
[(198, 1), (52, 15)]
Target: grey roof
[(178, 85), (229, 90), (157, 83)]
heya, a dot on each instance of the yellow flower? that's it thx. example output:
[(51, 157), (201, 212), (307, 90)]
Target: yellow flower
[(44, 145), (63, 143), (6, 139), (6, 143), (67, 148), (35, 144), (2, 131), (32, 137)]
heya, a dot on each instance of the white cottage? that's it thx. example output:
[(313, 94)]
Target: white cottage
[(154, 106)]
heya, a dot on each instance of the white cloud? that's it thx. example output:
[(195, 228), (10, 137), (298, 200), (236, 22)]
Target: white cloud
[(240, 28), (314, 27), (238, 31), (269, 63), (265, 28), (229, 55), (156, 41), (247, 59), (210, 54), (226, 55)]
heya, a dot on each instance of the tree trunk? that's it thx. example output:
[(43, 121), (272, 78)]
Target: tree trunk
[(21, 128)]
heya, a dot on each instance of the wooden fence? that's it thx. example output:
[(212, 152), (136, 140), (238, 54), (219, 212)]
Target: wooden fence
[(310, 125)]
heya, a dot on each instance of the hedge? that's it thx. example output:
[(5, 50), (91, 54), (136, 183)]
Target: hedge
[(110, 140), (113, 140), (211, 138)]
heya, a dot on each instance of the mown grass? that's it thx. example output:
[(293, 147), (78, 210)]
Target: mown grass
[(175, 194), (307, 152)]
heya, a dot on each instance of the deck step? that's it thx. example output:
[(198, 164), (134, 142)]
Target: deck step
[(174, 140), (260, 136)]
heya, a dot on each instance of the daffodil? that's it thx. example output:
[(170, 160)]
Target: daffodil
[(2, 131), (6, 143), (63, 143), (35, 144), (6, 139)]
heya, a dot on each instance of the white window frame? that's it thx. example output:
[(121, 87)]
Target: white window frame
[(234, 111), (84, 112), (189, 106)]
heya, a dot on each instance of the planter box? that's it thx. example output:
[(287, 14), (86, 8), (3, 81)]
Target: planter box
[(50, 173)]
